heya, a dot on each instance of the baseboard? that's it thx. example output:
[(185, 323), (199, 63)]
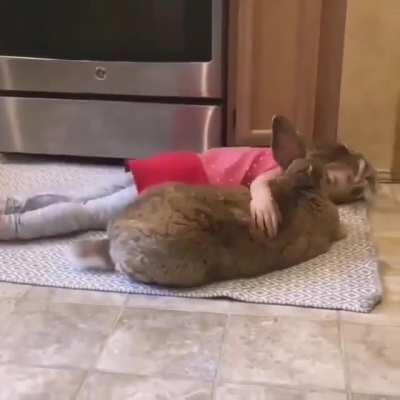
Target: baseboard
[(387, 176)]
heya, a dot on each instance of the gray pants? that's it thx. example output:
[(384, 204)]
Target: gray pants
[(45, 215)]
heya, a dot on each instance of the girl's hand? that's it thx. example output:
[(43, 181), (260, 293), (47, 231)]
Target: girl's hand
[(265, 215)]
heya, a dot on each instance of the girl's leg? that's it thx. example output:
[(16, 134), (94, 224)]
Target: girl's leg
[(62, 218), (19, 204), (115, 185)]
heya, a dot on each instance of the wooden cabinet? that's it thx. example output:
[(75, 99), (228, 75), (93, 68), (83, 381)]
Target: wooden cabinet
[(285, 57)]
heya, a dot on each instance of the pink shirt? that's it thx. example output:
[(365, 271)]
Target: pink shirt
[(237, 165), (231, 166)]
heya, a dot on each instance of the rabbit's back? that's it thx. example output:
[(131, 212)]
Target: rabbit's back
[(182, 235)]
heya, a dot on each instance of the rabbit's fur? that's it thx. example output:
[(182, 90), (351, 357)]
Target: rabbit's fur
[(184, 236)]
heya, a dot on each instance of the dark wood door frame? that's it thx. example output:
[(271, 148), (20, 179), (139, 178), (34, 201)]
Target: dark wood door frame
[(330, 63)]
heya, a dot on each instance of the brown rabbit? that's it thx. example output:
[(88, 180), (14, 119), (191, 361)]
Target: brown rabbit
[(184, 236)]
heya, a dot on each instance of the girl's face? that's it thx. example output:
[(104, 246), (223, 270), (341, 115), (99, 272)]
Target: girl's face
[(343, 184)]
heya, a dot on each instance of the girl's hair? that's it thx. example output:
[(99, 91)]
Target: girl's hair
[(340, 155)]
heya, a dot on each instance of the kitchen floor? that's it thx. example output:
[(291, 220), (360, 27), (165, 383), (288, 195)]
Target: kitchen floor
[(78, 345)]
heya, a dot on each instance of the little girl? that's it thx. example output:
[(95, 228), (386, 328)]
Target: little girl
[(349, 178)]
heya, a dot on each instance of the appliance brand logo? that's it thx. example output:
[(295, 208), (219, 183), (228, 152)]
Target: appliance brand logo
[(100, 73)]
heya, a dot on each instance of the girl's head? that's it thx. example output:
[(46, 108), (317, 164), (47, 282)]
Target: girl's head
[(348, 176)]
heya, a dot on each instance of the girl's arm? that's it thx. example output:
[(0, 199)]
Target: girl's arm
[(264, 210)]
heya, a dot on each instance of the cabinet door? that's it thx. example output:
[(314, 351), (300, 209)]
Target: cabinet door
[(274, 66)]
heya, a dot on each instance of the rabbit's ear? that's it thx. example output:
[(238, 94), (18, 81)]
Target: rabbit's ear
[(286, 144)]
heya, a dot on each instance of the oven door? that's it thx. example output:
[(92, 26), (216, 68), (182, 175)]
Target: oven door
[(157, 48)]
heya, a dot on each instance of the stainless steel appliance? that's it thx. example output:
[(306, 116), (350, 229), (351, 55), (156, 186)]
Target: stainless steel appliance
[(111, 78)]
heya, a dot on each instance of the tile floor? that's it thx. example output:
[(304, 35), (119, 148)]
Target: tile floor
[(75, 345)]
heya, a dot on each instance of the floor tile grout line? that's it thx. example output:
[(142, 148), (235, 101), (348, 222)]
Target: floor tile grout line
[(109, 372), (80, 386), (9, 322), (92, 368), (51, 368), (184, 378), (303, 387), (208, 312), (221, 355), (369, 323), (242, 314), (52, 289), (346, 368), (149, 307), (306, 387), (158, 375), (390, 396), (42, 366), (112, 330)]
